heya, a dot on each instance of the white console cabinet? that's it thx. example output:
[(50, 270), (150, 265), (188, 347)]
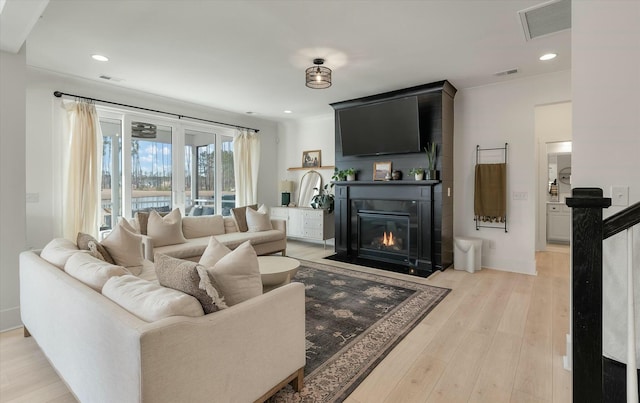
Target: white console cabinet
[(306, 223), (558, 223)]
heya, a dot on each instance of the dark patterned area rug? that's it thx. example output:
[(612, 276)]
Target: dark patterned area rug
[(353, 320)]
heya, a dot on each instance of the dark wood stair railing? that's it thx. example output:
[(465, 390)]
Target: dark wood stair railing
[(595, 378)]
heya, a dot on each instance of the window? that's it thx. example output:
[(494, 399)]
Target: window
[(111, 168), (143, 170)]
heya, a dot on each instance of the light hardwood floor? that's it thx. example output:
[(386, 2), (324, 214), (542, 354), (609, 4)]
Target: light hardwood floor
[(497, 337)]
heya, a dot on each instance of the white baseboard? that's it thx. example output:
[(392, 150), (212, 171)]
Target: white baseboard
[(10, 319)]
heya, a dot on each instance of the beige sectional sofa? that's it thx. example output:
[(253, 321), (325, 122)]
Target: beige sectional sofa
[(197, 230), (105, 353)]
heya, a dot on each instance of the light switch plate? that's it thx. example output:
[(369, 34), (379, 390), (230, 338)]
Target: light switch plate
[(520, 195), (619, 195)]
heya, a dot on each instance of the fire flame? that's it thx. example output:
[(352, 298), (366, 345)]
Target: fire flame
[(387, 240)]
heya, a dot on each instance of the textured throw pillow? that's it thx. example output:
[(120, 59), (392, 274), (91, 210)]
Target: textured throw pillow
[(85, 242), (124, 246), (214, 252), (150, 301), (165, 230), (236, 275), (91, 271), (58, 251), (239, 214), (258, 220), (197, 227), (182, 275)]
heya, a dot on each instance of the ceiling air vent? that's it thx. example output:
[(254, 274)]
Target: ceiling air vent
[(105, 77), (545, 19), (506, 72)]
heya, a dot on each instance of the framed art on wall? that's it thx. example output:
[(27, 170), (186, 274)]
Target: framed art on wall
[(381, 171), (311, 159)]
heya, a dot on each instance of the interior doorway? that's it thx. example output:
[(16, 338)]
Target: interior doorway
[(552, 126)]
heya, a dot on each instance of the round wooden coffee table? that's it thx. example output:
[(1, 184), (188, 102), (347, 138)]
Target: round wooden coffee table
[(276, 271)]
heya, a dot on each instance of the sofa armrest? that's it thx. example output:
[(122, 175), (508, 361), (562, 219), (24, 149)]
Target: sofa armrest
[(279, 224), (147, 247), (236, 354)]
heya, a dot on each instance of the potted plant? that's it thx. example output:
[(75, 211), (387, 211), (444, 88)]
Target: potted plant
[(417, 172), (348, 174), (431, 151), (324, 198)]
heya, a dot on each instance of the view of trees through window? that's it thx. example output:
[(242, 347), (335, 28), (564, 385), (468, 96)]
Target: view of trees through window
[(151, 180)]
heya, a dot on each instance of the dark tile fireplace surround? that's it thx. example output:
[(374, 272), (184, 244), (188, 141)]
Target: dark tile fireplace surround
[(400, 225)]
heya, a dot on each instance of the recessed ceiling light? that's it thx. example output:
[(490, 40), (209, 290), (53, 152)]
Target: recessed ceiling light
[(288, 111), (548, 56), (100, 58)]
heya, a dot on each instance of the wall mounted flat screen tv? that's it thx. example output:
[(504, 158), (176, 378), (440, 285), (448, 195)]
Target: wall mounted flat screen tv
[(389, 127)]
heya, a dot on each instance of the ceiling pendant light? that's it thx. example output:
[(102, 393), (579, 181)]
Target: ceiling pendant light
[(318, 76)]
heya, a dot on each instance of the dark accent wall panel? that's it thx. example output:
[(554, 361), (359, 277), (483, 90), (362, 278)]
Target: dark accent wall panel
[(436, 109)]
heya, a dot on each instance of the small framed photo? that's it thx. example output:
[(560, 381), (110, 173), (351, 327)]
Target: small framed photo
[(381, 170), (311, 159)]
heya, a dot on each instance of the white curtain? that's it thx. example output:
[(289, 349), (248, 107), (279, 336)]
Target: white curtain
[(246, 162), (81, 187)]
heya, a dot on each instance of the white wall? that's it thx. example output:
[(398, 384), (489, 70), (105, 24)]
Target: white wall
[(490, 116), (43, 143), (552, 124), (306, 134), (606, 135), (12, 186)]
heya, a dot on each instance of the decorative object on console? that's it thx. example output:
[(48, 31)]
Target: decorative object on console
[(432, 154), (286, 187), (382, 171), (324, 199), (396, 175), (311, 159), (318, 76), (418, 173)]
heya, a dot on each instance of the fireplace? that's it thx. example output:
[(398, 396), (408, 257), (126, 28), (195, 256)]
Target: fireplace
[(383, 236)]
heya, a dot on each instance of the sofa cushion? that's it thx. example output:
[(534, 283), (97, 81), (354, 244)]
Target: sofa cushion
[(58, 251), (142, 219), (85, 240), (183, 276), (258, 220), (239, 214), (213, 253), (150, 301), (235, 275), (196, 227), (124, 246), (165, 230), (92, 271), (233, 240), (230, 224)]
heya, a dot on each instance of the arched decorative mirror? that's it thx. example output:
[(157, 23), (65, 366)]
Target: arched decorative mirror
[(309, 185)]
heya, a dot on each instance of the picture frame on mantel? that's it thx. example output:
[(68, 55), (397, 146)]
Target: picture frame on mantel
[(381, 170), (311, 159)]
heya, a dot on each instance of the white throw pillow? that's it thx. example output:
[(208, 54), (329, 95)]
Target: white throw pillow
[(236, 276), (214, 252), (150, 301), (92, 271), (201, 226), (124, 246), (258, 220), (58, 251), (165, 230)]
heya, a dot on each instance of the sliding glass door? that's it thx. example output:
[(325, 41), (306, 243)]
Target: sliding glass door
[(152, 163)]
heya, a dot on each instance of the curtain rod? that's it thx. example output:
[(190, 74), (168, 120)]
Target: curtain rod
[(60, 94)]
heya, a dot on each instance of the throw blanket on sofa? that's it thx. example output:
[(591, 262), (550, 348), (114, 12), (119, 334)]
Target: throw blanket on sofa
[(490, 196)]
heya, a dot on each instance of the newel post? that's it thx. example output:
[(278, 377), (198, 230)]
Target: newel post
[(586, 291)]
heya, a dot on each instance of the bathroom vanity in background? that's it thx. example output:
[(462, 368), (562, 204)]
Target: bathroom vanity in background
[(558, 222)]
